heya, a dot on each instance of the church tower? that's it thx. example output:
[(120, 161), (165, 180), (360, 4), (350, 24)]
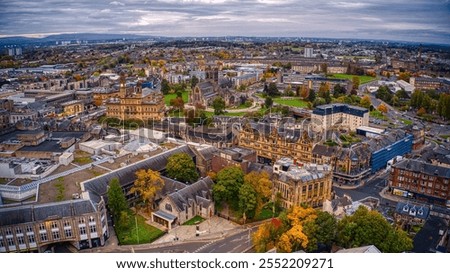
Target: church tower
[(122, 86)]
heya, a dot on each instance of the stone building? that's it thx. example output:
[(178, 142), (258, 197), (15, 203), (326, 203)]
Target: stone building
[(136, 103), (310, 184), (34, 228)]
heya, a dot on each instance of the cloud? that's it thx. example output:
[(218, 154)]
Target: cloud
[(116, 3), (418, 20)]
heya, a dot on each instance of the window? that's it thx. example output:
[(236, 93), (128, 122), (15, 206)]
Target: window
[(41, 226), (20, 240), (168, 207), (54, 225), (55, 235), (8, 231), (81, 221), (82, 230), (29, 229), (31, 239), (91, 219), (10, 242), (93, 229), (66, 223), (68, 233), (44, 237), (1, 243), (18, 230)]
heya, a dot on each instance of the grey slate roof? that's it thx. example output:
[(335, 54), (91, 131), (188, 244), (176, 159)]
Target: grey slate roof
[(198, 191), (30, 213), (428, 237), (99, 184), (422, 167), (420, 212)]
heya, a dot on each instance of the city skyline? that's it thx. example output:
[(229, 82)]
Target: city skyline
[(415, 21)]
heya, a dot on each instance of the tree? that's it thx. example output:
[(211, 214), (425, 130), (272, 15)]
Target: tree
[(194, 81), (365, 102), (260, 182), (395, 101), (181, 167), (177, 103), (218, 105), (266, 236), (383, 108), (383, 93), (247, 201), (323, 89), (366, 227), (116, 198), (338, 91), (404, 76), (272, 90), (268, 102), (228, 182), (443, 106), (312, 95), (147, 184), (321, 231), (402, 94), (355, 83), (165, 87), (304, 92), (421, 111)]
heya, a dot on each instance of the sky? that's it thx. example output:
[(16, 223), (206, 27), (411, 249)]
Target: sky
[(405, 20)]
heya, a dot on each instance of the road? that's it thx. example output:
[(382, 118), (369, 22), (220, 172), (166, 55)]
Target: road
[(178, 248), (237, 243)]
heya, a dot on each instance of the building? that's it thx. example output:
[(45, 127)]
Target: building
[(309, 52), (420, 180), (424, 83), (34, 228), (204, 93), (235, 156), (432, 237), (182, 205), (326, 117), (271, 141), (73, 107), (310, 184), (407, 215), (136, 103), (362, 249)]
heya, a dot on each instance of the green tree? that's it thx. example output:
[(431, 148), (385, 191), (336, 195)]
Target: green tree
[(116, 198), (218, 105), (366, 227), (338, 91), (312, 95), (395, 101), (268, 102), (194, 81), (247, 201), (272, 90), (165, 87), (416, 99), (402, 94), (147, 184), (181, 167), (228, 183), (321, 231), (383, 93)]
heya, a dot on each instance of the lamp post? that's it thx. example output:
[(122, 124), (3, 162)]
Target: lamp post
[(137, 232)]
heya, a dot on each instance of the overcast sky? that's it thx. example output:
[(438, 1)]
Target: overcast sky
[(408, 20)]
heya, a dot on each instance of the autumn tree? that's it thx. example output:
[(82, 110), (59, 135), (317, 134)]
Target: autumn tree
[(226, 189), (365, 102), (355, 83), (323, 89), (366, 227), (304, 92), (116, 198), (267, 235), (218, 105), (260, 182), (247, 201), (383, 108), (177, 103), (421, 111), (181, 167), (147, 185)]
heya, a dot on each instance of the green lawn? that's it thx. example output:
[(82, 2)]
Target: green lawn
[(83, 160), (362, 79), (193, 221), (406, 121), (127, 234), (267, 212), (377, 114), (168, 97), (444, 136), (295, 102)]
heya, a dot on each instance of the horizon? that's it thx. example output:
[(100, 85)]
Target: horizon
[(398, 20)]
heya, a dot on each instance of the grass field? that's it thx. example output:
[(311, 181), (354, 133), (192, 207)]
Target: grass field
[(362, 79), (406, 121), (291, 102), (193, 221), (168, 97), (377, 114), (128, 235)]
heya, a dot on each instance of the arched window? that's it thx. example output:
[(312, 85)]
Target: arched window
[(168, 207)]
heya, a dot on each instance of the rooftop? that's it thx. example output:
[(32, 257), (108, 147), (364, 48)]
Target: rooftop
[(422, 167)]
